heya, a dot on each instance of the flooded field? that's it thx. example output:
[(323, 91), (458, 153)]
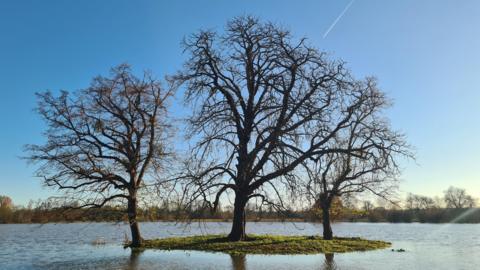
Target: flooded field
[(99, 246)]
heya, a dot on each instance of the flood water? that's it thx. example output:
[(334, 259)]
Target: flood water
[(70, 246)]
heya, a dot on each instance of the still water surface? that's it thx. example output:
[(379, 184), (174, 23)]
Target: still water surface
[(69, 246)]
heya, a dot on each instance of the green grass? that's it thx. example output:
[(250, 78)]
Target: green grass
[(266, 244)]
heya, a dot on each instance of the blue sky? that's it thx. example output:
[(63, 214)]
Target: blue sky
[(424, 53)]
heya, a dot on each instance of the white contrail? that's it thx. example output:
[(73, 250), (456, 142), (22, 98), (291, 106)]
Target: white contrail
[(338, 19)]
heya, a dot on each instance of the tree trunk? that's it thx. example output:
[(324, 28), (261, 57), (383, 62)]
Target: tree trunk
[(238, 225), (327, 228), (132, 219)]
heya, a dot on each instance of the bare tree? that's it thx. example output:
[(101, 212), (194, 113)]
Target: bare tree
[(458, 198), (373, 169), (367, 206), (263, 103), (417, 202), (104, 142), (6, 201)]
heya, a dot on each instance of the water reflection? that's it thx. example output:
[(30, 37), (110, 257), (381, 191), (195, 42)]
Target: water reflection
[(238, 262), (68, 246), (133, 262), (329, 263)]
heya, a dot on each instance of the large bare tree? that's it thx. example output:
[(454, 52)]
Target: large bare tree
[(458, 198), (104, 142), (264, 102), (373, 169)]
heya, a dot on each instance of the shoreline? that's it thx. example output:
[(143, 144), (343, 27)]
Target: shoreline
[(250, 221)]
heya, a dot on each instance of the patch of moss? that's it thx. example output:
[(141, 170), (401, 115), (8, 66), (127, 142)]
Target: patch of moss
[(266, 244)]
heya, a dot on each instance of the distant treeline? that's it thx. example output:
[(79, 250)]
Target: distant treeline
[(45, 212), (434, 215)]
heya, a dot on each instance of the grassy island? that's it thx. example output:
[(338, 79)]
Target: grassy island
[(266, 244)]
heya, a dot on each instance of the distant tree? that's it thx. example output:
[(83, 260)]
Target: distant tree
[(106, 141), (264, 103), (417, 202), (6, 202), (438, 202), (6, 207), (458, 198), (367, 206)]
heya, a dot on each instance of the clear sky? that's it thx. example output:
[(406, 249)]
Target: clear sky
[(426, 55)]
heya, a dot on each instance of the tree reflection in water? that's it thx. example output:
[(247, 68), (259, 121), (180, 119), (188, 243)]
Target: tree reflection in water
[(134, 259), (329, 263), (238, 261)]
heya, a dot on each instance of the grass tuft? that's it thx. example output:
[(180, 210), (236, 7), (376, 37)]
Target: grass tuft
[(266, 244)]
